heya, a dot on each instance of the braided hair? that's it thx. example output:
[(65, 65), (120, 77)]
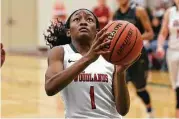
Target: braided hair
[(56, 32)]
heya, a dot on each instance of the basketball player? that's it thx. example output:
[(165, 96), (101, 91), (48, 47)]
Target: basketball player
[(2, 54), (170, 26), (102, 12), (90, 86), (137, 73), (59, 11)]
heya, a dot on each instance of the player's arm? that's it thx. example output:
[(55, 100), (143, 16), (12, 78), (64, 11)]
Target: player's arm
[(144, 18), (56, 78), (121, 94), (164, 31)]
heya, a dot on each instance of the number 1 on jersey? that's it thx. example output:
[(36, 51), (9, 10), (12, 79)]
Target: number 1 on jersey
[(93, 105)]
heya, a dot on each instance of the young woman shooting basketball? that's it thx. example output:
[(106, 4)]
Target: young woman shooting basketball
[(90, 86)]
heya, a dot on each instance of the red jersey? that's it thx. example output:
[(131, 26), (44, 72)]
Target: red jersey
[(102, 12)]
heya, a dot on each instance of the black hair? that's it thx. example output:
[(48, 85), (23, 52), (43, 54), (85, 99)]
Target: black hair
[(56, 32)]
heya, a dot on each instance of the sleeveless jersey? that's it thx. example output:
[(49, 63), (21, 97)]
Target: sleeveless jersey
[(129, 16), (90, 94), (173, 28)]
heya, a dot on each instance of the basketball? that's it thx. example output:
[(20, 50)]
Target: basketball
[(126, 42)]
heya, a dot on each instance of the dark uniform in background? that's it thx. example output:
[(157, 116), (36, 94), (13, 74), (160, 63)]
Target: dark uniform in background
[(137, 73)]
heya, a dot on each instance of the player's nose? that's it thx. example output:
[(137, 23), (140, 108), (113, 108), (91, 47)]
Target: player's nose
[(83, 22)]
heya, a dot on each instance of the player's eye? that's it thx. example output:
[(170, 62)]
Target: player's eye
[(90, 20), (76, 19)]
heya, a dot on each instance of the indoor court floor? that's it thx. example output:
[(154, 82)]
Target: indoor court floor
[(23, 94)]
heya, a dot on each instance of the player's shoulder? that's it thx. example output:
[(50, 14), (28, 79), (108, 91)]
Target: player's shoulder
[(140, 9), (56, 49), (173, 8), (170, 9), (56, 52)]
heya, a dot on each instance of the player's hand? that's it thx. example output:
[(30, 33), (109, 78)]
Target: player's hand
[(160, 52), (98, 46), (122, 68)]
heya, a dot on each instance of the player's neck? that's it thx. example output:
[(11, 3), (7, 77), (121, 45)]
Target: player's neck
[(81, 47), (177, 6), (101, 5), (124, 7)]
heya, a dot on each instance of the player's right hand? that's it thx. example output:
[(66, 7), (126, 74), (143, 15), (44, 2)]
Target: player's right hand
[(160, 52), (98, 45)]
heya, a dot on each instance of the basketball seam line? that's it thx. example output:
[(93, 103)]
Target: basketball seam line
[(117, 41), (130, 49), (111, 24)]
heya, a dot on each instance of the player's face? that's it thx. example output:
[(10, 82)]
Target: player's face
[(122, 2), (176, 2), (102, 2), (83, 25)]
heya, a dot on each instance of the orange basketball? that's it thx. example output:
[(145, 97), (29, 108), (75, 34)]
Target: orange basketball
[(126, 42)]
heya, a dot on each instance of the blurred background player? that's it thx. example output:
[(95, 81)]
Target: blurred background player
[(170, 26), (59, 11), (57, 28), (73, 70), (3, 54), (102, 12), (155, 63), (137, 73)]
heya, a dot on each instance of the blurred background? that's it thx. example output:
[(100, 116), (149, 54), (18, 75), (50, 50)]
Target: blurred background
[(23, 23)]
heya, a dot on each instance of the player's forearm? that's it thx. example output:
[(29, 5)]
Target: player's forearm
[(160, 41), (122, 97), (148, 35), (59, 81)]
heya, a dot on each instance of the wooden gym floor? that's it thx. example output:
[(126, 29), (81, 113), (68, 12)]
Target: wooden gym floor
[(23, 95)]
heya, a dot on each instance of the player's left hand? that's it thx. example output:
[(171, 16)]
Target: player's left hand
[(123, 68)]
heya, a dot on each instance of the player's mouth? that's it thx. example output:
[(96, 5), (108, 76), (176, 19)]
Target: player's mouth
[(84, 29)]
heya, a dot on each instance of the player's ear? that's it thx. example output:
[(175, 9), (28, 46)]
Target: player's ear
[(68, 33)]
